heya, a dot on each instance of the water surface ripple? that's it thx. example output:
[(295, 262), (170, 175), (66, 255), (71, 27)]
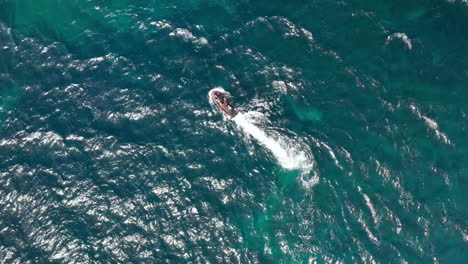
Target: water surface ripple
[(351, 146)]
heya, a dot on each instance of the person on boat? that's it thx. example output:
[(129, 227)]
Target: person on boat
[(225, 102)]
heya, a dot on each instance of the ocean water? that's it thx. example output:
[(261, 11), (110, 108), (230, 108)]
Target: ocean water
[(351, 144)]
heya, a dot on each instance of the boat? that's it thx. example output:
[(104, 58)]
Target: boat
[(223, 103)]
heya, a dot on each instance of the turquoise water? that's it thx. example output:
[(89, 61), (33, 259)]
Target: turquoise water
[(350, 147)]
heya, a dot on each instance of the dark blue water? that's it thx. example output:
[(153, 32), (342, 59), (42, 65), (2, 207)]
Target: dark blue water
[(350, 146)]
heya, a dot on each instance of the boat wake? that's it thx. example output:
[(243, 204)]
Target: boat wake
[(290, 154)]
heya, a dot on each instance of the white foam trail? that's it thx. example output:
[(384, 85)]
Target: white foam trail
[(286, 155), (290, 154)]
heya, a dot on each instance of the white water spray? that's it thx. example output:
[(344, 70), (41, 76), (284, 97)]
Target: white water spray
[(287, 156), (290, 154)]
